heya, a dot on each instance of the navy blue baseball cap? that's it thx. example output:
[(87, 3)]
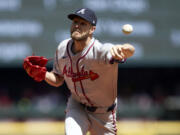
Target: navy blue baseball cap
[(86, 14)]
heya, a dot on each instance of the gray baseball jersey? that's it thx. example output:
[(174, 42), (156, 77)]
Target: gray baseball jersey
[(90, 75)]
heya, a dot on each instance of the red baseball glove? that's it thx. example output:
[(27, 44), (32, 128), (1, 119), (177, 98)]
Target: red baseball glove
[(35, 66)]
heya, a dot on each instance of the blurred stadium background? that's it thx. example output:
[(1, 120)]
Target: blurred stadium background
[(148, 83)]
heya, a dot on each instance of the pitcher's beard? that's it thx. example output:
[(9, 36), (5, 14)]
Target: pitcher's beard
[(79, 38)]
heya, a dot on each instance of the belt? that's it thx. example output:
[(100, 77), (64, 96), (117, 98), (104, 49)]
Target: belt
[(93, 108)]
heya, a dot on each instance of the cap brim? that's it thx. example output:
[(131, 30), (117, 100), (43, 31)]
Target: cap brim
[(72, 16)]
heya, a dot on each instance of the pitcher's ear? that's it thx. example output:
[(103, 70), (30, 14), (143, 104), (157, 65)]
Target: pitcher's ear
[(93, 28)]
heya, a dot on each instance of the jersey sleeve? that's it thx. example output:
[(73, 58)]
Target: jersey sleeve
[(57, 57), (56, 68), (106, 54)]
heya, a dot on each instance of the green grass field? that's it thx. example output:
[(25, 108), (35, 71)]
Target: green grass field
[(124, 128)]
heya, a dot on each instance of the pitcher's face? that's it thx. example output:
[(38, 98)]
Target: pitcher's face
[(81, 29)]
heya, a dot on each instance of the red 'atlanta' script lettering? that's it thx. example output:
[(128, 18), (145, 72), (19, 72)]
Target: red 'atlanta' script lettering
[(80, 75)]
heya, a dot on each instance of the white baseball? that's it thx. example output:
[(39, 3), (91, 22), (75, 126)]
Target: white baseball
[(127, 29)]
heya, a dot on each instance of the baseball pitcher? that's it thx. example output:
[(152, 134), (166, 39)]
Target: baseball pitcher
[(90, 71)]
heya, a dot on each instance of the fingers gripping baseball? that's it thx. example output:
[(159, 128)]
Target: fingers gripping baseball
[(35, 67)]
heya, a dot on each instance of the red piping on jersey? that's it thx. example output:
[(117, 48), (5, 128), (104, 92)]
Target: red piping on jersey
[(114, 122), (79, 73), (71, 67)]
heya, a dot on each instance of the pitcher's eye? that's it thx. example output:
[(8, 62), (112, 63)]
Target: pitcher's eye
[(83, 24)]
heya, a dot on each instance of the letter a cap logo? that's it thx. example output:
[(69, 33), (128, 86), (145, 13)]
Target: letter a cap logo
[(82, 11)]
